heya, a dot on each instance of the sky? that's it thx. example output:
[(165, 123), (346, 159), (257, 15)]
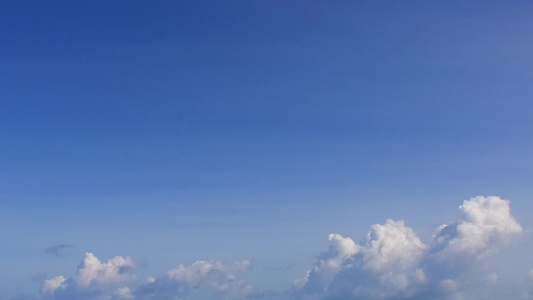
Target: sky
[(265, 150)]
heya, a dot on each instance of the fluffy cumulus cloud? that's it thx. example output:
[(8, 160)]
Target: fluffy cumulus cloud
[(329, 264), (485, 225), (457, 261), (385, 265), (393, 263), (390, 263), (116, 270), (91, 279)]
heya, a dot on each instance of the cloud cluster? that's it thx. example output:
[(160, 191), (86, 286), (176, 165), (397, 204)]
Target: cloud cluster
[(393, 263), (390, 263), (91, 279), (202, 280)]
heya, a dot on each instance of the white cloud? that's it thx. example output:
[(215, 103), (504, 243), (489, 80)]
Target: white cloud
[(114, 271), (123, 293), (91, 277), (391, 245), (386, 266), (329, 264), (202, 279), (51, 285), (485, 224)]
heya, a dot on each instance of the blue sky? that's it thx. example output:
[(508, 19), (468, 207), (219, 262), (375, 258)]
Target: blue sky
[(180, 131)]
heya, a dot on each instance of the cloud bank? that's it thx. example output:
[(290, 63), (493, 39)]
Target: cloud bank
[(390, 263)]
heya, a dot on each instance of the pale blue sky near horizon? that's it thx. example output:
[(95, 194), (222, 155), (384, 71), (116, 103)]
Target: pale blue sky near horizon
[(174, 131)]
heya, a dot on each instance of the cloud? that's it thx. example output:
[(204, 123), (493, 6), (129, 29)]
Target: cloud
[(201, 280), (485, 225), (53, 284), (123, 293), (90, 279), (60, 250), (386, 264), (329, 264), (116, 270), (391, 263)]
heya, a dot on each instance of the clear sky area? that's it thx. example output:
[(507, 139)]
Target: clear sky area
[(300, 150)]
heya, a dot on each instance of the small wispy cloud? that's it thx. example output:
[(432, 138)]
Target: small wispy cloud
[(60, 250)]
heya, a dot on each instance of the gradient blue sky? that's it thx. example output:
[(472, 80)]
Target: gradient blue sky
[(173, 131)]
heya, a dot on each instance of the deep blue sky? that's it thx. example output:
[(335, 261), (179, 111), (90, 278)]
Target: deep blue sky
[(181, 130)]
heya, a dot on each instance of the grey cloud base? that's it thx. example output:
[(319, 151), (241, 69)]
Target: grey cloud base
[(391, 263)]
